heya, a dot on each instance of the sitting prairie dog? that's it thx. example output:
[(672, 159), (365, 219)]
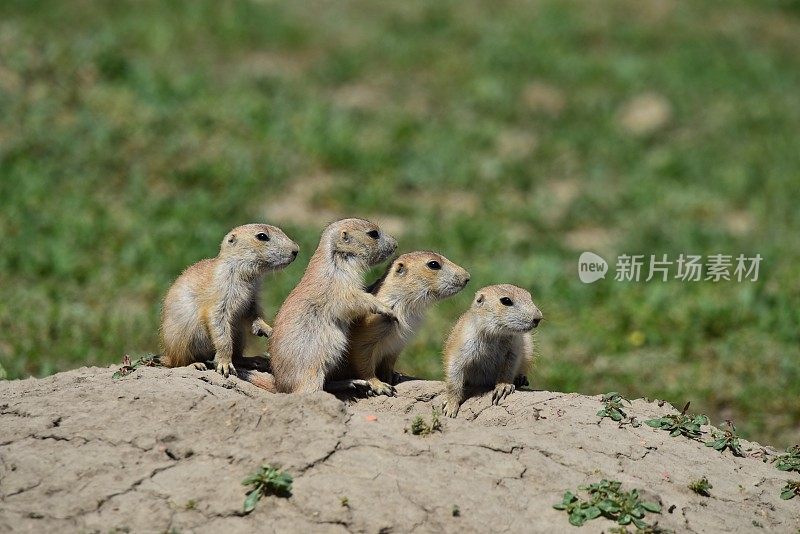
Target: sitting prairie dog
[(490, 345), (411, 283), (212, 303), (311, 328)]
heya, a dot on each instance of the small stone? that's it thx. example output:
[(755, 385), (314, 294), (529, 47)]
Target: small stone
[(645, 114)]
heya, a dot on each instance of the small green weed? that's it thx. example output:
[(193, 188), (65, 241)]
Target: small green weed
[(608, 500), (789, 461), (345, 502), (680, 424), (266, 481), (613, 409), (790, 490), (456, 511), (419, 427), (151, 360), (726, 439), (648, 529), (701, 486)]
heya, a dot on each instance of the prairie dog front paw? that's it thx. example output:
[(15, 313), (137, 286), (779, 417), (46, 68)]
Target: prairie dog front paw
[(501, 391), (225, 368), (261, 328), (451, 406), (384, 310)]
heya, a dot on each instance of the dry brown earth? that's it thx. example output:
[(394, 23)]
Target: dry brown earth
[(165, 450)]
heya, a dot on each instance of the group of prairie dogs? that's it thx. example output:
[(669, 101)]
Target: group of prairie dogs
[(331, 333)]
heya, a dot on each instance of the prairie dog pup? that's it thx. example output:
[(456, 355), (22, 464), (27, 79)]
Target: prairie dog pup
[(312, 325), (411, 283), (490, 345), (212, 303)]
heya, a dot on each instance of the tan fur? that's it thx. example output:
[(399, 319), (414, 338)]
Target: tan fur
[(311, 328), (409, 286), (490, 345), (262, 380), (208, 309)]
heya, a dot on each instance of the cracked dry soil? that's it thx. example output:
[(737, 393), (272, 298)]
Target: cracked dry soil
[(166, 449)]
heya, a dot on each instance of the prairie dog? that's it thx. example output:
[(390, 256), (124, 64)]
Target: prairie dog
[(212, 303), (490, 345), (411, 283), (311, 328)]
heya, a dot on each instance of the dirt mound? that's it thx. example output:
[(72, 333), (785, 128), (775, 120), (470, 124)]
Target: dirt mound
[(162, 450)]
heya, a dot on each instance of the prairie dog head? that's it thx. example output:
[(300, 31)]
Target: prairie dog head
[(421, 278), (506, 309), (359, 239), (261, 246)]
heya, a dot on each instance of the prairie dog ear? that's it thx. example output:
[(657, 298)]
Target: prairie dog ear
[(400, 268), (232, 239), (480, 298), (345, 237)]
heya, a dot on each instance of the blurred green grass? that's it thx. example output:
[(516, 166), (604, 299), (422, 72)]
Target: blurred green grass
[(509, 136)]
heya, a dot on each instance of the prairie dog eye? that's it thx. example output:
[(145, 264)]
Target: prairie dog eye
[(505, 301), (433, 264), (261, 236), (374, 234)]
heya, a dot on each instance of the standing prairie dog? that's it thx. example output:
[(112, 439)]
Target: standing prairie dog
[(490, 345), (311, 328), (411, 283), (212, 303)]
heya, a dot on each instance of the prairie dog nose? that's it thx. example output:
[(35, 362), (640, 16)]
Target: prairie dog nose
[(537, 317), (391, 241)]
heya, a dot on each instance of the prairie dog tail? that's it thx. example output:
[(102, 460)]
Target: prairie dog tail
[(266, 382), (259, 379)]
